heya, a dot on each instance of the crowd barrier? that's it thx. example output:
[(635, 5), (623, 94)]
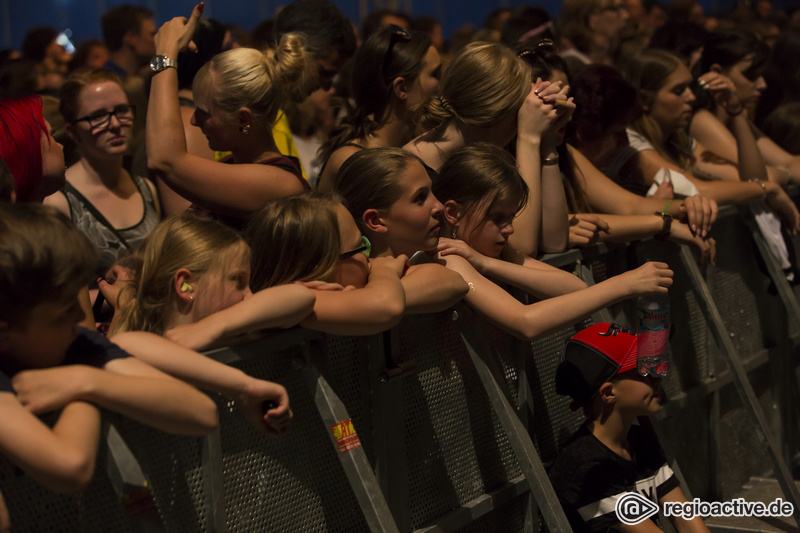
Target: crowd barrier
[(446, 423)]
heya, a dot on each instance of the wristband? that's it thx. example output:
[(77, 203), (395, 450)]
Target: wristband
[(663, 235), (550, 160), (763, 185), (737, 113), (666, 208)]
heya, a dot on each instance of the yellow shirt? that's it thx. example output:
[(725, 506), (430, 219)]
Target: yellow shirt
[(283, 140)]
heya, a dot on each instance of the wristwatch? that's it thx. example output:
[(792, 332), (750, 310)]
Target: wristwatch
[(161, 62)]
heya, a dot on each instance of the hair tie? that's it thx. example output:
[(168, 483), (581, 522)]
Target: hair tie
[(445, 104)]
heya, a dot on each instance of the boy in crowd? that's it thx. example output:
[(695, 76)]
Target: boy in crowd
[(613, 452), (48, 363)]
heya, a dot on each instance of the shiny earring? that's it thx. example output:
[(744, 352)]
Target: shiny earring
[(454, 233), (245, 129), (185, 287)]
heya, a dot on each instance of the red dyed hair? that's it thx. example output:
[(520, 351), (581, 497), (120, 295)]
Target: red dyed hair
[(21, 127)]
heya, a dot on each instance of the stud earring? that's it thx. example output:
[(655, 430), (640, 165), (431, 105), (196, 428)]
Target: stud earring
[(185, 287)]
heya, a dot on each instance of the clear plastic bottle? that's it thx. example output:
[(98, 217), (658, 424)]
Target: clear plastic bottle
[(652, 313)]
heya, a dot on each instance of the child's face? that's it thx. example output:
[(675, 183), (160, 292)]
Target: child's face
[(223, 286), (42, 339), (487, 229), (412, 221), (637, 395)]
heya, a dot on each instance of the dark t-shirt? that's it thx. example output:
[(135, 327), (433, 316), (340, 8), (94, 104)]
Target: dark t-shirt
[(89, 348), (589, 478)]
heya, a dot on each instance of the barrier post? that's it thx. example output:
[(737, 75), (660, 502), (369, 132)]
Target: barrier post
[(354, 460), (526, 453), (743, 387)]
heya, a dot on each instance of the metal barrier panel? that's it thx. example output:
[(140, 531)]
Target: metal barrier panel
[(553, 422), (35, 509), (456, 449)]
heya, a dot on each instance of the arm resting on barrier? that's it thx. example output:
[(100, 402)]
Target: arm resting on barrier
[(431, 288), (283, 306), (126, 386), (532, 276), (530, 321), (248, 392), (605, 196), (61, 458), (628, 228), (376, 307)]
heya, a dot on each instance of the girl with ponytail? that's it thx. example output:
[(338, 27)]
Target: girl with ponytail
[(488, 96), (384, 111), (237, 96)]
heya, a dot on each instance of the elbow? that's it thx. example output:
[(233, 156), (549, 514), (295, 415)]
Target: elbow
[(555, 244), (77, 470), (207, 419)]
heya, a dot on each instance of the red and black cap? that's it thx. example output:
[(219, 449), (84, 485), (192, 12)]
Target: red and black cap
[(593, 356)]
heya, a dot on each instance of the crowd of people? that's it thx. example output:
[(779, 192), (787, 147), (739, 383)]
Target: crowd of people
[(165, 191)]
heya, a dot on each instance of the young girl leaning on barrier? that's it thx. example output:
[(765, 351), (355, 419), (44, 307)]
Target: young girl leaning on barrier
[(313, 239), (193, 287), (388, 192)]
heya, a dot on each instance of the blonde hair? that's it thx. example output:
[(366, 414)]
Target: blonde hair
[(260, 81), (188, 241), (295, 238), (481, 86)]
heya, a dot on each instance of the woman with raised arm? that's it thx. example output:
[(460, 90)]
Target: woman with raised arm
[(388, 192), (383, 114), (740, 56), (660, 144), (487, 96), (237, 96), (114, 209), (625, 216)]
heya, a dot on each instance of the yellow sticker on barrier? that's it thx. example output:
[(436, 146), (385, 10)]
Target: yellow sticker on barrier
[(345, 435)]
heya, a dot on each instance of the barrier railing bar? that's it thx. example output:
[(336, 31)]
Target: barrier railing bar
[(480, 506), (783, 366), (743, 387), (356, 466), (707, 386), (214, 481), (524, 450), (391, 464)]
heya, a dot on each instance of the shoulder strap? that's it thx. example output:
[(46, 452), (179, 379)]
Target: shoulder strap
[(93, 210)]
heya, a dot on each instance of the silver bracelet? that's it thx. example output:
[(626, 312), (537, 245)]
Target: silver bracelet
[(760, 182)]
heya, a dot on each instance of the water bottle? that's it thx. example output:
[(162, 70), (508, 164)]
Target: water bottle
[(652, 313)]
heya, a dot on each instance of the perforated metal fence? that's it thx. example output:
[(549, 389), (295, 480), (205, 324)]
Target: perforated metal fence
[(440, 407)]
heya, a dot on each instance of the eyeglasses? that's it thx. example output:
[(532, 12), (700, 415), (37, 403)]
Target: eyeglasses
[(364, 248), (101, 118), (398, 34)]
